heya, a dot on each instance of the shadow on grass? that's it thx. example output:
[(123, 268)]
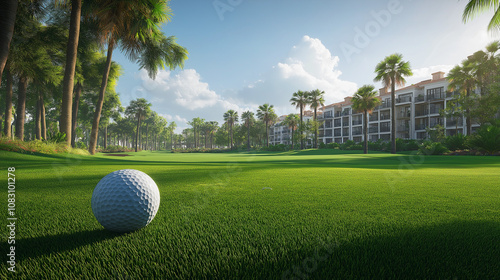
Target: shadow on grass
[(455, 250), (41, 246)]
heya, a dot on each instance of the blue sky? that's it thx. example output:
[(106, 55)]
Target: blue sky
[(245, 53)]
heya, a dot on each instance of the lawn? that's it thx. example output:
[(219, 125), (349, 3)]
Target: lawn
[(293, 215)]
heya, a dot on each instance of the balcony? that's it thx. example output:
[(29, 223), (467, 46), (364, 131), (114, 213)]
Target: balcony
[(357, 122), (420, 98), (435, 110), (385, 105), (385, 129), (374, 118), (373, 130), (328, 115), (356, 132), (403, 99), (346, 113), (328, 133), (420, 126), (454, 123), (403, 128), (436, 96), (338, 114), (420, 113), (404, 115), (345, 124), (328, 125), (337, 124), (337, 134), (346, 133), (385, 117)]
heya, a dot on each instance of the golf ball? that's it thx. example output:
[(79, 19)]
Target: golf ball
[(125, 200)]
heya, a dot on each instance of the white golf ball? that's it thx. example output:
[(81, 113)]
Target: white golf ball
[(125, 200)]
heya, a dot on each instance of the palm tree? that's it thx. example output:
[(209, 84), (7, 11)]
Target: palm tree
[(475, 7), (391, 71), (316, 100), (230, 117), (69, 71), (212, 129), (292, 121), (139, 108), (135, 26), (171, 128), (8, 11), (266, 114), (365, 99), (463, 79), (300, 100), (248, 118), (196, 123)]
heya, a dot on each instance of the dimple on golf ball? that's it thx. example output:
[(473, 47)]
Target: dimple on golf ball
[(125, 200)]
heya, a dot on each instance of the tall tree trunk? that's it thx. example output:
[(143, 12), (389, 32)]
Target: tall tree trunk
[(267, 135), (137, 132), (365, 128), (8, 105), (248, 137), (74, 111), (69, 71), (42, 121), (21, 107), (393, 116), (292, 138), (315, 130), (98, 109), (147, 136), (105, 137), (301, 129), (38, 122), (8, 11)]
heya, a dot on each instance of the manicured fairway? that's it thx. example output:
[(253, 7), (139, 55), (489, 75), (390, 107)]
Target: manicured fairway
[(293, 215)]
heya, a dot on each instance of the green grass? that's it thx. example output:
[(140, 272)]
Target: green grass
[(293, 215)]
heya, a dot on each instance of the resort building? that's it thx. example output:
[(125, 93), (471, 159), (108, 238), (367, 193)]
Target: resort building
[(418, 107)]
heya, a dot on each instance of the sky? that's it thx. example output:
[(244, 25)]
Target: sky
[(244, 53)]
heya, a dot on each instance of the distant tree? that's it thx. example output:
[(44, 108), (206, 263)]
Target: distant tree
[(316, 100), (300, 100), (171, 128), (248, 119), (266, 114), (365, 99), (231, 117), (463, 80), (292, 121), (391, 72), (140, 108)]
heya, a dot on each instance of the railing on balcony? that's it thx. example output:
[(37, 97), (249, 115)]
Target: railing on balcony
[(385, 105), (403, 99), (345, 133), (385, 117), (337, 133), (338, 114), (328, 125), (373, 130), (420, 126), (374, 118), (385, 129), (454, 123), (337, 123), (404, 115), (420, 113), (357, 122), (420, 98), (436, 96), (328, 115), (328, 133), (434, 122), (346, 113), (403, 128), (345, 124), (435, 110), (357, 132)]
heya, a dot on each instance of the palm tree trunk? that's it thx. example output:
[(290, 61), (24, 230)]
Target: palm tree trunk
[(69, 71), (76, 103), (38, 122), (365, 128), (21, 107), (301, 129), (8, 11), (248, 137), (137, 132), (8, 105), (43, 122), (393, 116), (172, 140), (292, 138), (315, 131), (267, 135), (98, 109), (105, 137)]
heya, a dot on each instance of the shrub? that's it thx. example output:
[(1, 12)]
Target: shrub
[(456, 142), (37, 146), (432, 148), (115, 149), (487, 139), (332, 145), (350, 145)]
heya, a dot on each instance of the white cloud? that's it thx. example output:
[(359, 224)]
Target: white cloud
[(309, 65), (425, 73)]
